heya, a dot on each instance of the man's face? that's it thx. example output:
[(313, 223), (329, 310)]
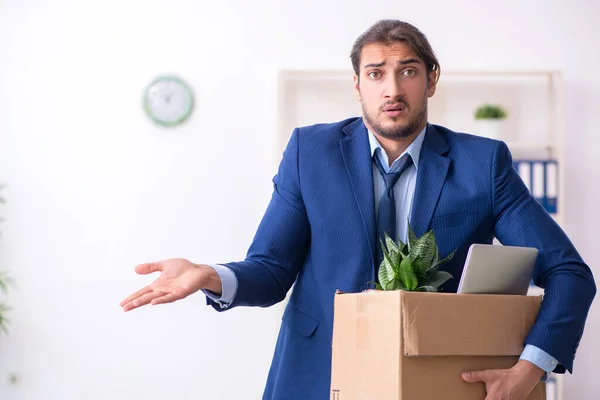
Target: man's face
[(393, 89)]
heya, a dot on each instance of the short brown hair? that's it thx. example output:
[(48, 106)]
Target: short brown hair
[(388, 31)]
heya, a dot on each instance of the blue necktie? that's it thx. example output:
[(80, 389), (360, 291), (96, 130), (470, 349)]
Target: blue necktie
[(386, 215)]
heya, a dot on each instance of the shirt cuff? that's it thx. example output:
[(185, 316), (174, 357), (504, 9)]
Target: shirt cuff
[(229, 285), (540, 358)]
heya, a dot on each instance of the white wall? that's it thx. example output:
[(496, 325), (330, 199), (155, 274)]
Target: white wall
[(95, 188)]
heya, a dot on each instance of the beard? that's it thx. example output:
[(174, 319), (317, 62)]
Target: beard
[(404, 130)]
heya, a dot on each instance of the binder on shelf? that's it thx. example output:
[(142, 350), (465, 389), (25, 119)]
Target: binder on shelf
[(541, 178), (551, 179)]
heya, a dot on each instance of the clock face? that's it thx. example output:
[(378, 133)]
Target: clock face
[(168, 101)]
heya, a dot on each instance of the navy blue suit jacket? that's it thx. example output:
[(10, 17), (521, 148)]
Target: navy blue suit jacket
[(319, 233)]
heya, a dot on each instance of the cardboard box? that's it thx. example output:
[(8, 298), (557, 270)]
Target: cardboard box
[(401, 345)]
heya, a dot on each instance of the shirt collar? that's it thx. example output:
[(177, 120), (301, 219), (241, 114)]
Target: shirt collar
[(414, 149)]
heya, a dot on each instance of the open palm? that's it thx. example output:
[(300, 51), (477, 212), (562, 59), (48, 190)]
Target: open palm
[(178, 279)]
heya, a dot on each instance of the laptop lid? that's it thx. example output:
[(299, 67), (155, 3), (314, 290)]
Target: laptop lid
[(496, 269)]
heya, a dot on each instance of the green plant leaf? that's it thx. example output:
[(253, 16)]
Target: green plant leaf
[(5, 282), (377, 285), (393, 253), (437, 279), (412, 238), (435, 261), (490, 111), (3, 320), (386, 272), (425, 247), (401, 246), (403, 255), (390, 244), (419, 268), (394, 284), (426, 289), (449, 257), (395, 261), (407, 275), (438, 263), (412, 266)]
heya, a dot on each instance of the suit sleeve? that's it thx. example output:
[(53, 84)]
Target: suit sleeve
[(281, 241), (567, 280)]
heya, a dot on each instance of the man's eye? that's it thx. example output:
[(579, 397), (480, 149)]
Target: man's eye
[(410, 72), (374, 75)]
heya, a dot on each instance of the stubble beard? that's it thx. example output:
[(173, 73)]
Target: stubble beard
[(397, 131)]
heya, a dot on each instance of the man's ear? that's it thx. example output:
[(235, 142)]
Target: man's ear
[(356, 87), (431, 83)]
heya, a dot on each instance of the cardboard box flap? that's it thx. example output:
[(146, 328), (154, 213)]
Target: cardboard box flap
[(443, 324)]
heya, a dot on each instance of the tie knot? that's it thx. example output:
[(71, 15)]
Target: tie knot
[(390, 178)]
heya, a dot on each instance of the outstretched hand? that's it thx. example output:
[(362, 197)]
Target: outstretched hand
[(178, 279)]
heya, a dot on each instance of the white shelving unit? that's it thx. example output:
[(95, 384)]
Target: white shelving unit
[(307, 97), (533, 129)]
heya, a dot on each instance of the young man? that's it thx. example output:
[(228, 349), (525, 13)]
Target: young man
[(332, 198)]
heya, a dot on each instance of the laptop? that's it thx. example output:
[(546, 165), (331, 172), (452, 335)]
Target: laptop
[(497, 269)]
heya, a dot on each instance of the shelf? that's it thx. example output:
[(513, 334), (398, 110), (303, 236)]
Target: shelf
[(309, 97), (528, 99), (530, 150)]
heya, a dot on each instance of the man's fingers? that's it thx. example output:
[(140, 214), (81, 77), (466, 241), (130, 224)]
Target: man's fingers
[(168, 298), (142, 269), (148, 268), (142, 300), (475, 376), (135, 295)]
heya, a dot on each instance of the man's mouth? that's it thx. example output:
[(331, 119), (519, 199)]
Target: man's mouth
[(393, 111)]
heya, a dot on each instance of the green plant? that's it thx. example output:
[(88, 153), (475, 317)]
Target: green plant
[(5, 281), (412, 266), (490, 111)]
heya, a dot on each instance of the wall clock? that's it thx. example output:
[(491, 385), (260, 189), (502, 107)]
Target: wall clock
[(168, 100)]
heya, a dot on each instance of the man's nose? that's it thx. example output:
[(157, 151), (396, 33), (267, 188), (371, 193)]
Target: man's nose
[(393, 88)]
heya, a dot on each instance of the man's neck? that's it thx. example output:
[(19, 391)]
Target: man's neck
[(395, 147)]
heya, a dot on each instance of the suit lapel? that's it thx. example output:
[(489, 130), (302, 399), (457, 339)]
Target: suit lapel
[(433, 168), (356, 153)]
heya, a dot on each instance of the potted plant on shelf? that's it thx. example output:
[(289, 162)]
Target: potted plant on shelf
[(489, 119), (412, 266)]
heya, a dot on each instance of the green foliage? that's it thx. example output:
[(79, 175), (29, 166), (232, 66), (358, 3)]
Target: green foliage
[(5, 281), (490, 111), (412, 266)]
